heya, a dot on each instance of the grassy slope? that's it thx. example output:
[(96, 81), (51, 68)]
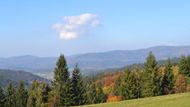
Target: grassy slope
[(176, 100)]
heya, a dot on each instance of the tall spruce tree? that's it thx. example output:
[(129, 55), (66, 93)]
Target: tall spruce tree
[(136, 80), (10, 100), (131, 87), (45, 89), (124, 85), (167, 82), (32, 96), (117, 87), (21, 95), (61, 84), (42, 95), (184, 65), (91, 93), (2, 98), (37, 94), (77, 88), (151, 79)]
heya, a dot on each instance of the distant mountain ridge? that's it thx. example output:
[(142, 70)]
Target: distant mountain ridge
[(120, 58), (28, 63), (93, 61)]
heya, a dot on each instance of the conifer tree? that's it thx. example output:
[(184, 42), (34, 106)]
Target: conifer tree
[(91, 93), (32, 97), (10, 100), (117, 87), (45, 91), (61, 74), (21, 95), (151, 77), (167, 82), (61, 85), (2, 97), (125, 86), (101, 97), (131, 87), (136, 81), (42, 95), (184, 65), (37, 94), (77, 88)]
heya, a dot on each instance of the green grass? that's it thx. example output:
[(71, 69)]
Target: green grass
[(175, 100)]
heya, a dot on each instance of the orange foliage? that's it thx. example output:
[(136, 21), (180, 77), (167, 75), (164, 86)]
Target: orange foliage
[(162, 70), (108, 80), (180, 84), (112, 98), (175, 70)]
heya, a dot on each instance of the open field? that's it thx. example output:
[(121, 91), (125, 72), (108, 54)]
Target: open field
[(176, 100)]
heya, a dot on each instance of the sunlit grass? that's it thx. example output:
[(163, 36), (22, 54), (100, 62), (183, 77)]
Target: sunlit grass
[(176, 100)]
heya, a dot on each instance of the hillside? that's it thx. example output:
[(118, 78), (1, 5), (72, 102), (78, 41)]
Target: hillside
[(176, 100), (7, 76), (92, 62)]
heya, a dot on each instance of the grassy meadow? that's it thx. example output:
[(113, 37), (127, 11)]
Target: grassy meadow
[(175, 100)]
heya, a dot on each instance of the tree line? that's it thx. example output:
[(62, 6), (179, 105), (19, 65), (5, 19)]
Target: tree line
[(64, 91), (73, 90), (152, 80)]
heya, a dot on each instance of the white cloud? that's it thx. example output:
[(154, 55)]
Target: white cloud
[(73, 27)]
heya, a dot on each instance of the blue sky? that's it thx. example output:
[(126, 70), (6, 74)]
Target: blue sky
[(26, 26)]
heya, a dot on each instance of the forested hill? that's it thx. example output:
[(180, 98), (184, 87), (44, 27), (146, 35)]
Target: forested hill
[(7, 76), (94, 61)]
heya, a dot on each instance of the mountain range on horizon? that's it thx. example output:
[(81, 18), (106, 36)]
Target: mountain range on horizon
[(93, 61)]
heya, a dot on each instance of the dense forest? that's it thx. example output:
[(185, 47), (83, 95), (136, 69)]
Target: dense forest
[(65, 90)]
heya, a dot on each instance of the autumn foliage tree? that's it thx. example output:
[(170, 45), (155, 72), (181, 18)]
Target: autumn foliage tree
[(180, 84), (113, 98)]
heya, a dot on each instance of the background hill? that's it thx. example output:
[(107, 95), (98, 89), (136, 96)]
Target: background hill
[(7, 76), (92, 62)]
